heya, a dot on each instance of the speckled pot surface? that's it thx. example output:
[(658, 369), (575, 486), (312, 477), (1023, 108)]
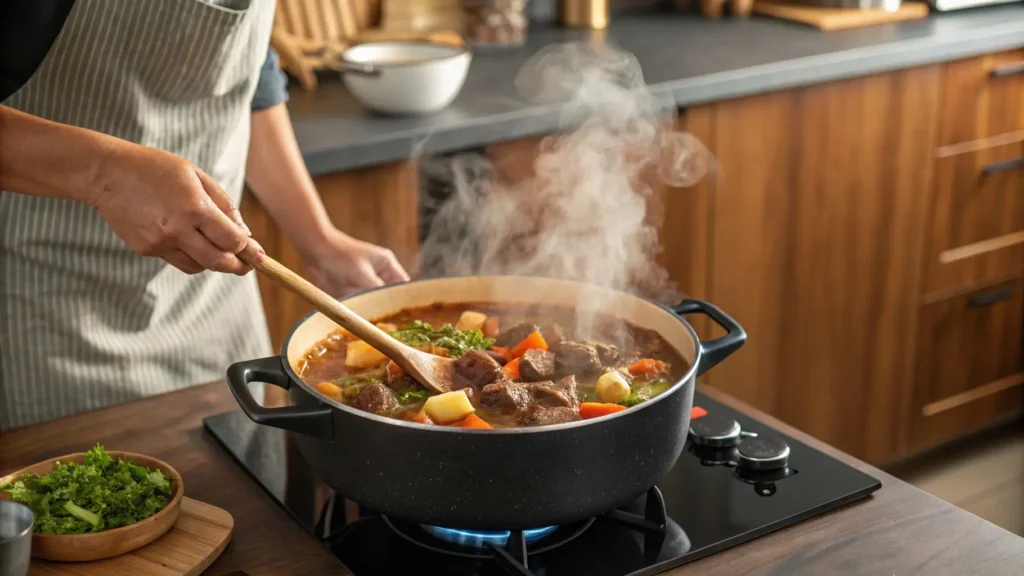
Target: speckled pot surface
[(489, 479)]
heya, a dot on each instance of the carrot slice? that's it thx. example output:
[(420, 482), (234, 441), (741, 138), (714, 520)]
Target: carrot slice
[(511, 369), (329, 389), (647, 366), (394, 371), (533, 341), (506, 352), (418, 416), (473, 422), (590, 410)]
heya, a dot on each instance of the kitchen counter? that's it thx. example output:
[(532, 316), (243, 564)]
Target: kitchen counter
[(898, 530), (685, 58)]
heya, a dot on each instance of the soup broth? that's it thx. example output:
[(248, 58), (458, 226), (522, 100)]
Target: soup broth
[(517, 365)]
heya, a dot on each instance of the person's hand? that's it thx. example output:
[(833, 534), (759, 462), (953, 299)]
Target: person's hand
[(164, 206), (341, 265)]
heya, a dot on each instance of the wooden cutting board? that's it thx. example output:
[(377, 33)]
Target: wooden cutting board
[(196, 540), (840, 18)]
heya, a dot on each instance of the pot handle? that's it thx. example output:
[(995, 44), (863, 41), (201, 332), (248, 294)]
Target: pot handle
[(315, 421), (714, 351)]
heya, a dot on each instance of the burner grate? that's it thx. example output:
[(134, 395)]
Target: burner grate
[(512, 549)]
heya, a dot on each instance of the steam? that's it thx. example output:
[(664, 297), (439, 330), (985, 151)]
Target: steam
[(588, 212)]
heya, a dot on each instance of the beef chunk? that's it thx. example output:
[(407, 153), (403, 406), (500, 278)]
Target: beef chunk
[(498, 356), (515, 334), (478, 369), (505, 397), (568, 387), (376, 398), (537, 365), (541, 416), (546, 395), (608, 354), (576, 358), (403, 383), (554, 336)]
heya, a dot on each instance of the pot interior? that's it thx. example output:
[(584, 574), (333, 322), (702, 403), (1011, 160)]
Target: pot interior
[(383, 302), (399, 53)]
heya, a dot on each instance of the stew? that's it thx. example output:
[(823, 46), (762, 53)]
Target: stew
[(517, 365)]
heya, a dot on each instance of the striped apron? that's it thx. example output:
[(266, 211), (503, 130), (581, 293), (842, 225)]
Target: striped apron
[(84, 322)]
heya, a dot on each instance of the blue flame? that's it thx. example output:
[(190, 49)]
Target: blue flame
[(477, 538)]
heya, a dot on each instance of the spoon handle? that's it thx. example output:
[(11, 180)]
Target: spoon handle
[(329, 307)]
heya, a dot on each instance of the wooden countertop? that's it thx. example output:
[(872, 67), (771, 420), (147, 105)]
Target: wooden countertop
[(898, 530)]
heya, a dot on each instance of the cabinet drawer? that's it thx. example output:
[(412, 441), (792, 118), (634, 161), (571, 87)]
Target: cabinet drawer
[(983, 97), (969, 365), (977, 231)]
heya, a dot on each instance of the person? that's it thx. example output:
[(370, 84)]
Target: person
[(122, 164)]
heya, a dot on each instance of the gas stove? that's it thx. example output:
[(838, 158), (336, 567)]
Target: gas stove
[(736, 480)]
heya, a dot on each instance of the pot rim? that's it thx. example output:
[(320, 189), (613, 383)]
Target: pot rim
[(688, 376), (458, 51)]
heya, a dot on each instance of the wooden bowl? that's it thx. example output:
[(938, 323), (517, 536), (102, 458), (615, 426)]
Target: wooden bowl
[(98, 545)]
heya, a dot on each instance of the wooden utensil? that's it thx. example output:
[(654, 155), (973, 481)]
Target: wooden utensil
[(433, 372), (108, 543)]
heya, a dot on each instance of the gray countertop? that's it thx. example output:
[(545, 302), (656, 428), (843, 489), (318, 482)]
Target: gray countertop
[(684, 57)]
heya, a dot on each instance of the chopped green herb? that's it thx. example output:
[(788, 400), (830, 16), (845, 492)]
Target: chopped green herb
[(457, 342), (414, 395), (358, 380), (100, 494), (415, 333), (645, 390), (632, 400)]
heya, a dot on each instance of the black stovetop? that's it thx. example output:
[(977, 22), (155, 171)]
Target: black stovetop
[(706, 503)]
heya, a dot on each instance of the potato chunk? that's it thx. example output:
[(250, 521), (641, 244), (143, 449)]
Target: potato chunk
[(362, 355), (448, 407), (612, 387)]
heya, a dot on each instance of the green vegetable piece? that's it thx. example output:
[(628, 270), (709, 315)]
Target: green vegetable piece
[(632, 400), (414, 395), (457, 342), (157, 478), (82, 514)]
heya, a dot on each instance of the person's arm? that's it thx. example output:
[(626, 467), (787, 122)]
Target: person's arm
[(44, 158), (277, 176), (159, 204)]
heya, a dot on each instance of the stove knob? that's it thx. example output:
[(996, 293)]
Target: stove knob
[(715, 432), (763, 454)]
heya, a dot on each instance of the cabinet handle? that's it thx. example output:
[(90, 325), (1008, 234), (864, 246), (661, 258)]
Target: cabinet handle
[(1007, 70), (997, 167), (991, 297)]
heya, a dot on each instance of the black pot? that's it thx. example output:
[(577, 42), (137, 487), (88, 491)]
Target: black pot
[(506, 479)]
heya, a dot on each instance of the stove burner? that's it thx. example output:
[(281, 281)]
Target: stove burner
[(513, 549), (477, 538), (482, 548)]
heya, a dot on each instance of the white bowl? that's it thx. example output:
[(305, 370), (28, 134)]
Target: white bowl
[(404, 78)]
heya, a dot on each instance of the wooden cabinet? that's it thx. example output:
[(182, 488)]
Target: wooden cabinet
[(817, 224), (969, 364), (983, 97), (977, 233)]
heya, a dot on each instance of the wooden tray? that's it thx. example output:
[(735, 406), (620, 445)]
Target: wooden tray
[(840, 18), (192, 544)]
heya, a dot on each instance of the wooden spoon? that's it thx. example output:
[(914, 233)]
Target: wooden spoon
[(433, 372)]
